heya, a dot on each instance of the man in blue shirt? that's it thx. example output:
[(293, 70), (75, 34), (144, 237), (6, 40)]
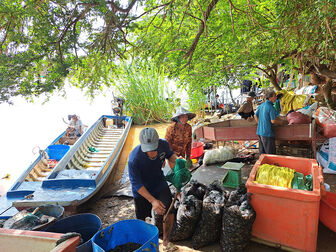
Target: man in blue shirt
[(149, 186), (266, 117)]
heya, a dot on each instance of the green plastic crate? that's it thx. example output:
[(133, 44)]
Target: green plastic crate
[(233, 177)]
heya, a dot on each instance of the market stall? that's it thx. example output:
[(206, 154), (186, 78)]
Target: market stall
[(244, 130)]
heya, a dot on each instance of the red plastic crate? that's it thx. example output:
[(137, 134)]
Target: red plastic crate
[(286, 217), (328, 210)]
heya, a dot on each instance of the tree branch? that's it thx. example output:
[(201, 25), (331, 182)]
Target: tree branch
[(121, 9), (232, 22), (184, 13), (69, 24), (192, 48), (236, 7)]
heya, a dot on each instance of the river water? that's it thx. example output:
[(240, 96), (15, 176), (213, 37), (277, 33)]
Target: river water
[(26, 125)]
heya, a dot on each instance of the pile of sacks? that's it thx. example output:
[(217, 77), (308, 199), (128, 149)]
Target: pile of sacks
[(209, 214)]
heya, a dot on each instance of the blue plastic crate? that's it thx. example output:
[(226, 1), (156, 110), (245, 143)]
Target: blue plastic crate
[(57, 151)]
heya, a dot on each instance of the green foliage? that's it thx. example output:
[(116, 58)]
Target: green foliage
[(200, 43), (144, 87)]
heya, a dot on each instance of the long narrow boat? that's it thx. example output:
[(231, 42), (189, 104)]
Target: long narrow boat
[(37, 171), (79, 174)]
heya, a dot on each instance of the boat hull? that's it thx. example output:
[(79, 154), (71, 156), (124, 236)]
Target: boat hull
[(82, 171)]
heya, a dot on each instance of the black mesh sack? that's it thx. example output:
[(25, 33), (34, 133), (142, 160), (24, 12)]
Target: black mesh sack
[(187, 216), (209, 226), (236, 227)]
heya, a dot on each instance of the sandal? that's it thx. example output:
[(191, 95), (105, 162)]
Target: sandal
[(170, 247)]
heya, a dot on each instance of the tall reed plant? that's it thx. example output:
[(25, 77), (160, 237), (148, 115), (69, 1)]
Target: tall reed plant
[(144, 88)]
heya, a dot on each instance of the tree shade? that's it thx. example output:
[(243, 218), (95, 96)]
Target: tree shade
[(198, 42)]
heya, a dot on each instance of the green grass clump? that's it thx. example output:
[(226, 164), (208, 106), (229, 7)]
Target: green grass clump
[(144, 88)]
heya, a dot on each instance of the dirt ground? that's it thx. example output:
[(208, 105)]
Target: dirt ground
[(113, 209)]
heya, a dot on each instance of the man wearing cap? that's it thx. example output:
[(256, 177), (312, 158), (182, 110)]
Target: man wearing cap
[(246, 110), (266, 118), (149, 186), (179, 133)]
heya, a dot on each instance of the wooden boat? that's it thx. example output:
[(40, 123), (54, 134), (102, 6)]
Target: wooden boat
[(22, 240), (78, 175), (39, 170)]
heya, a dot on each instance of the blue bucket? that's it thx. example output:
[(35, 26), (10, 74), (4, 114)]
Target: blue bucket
[(57, 151), (86, 224), (125, 231)]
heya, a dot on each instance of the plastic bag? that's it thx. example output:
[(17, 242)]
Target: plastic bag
[(275, 175), (332, 154), (309, 110), (291, 101), (218, 155), (329, 130), (298, 118), (327, 156), (298, 181), (302, 182), (325, 116)]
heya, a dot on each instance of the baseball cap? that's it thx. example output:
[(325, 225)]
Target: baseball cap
[(149, 139)]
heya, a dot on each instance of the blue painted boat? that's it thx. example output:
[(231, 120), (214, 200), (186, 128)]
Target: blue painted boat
[(78, 175)]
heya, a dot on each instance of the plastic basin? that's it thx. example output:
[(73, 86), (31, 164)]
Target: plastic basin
[(86, 224), (50, 210), (328, 210), (125, 231), (57, 151), (287, 217)]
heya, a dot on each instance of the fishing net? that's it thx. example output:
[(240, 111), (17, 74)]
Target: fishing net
[(180, 176)]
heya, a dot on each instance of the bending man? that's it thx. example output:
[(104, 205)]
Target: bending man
[(149, 186)]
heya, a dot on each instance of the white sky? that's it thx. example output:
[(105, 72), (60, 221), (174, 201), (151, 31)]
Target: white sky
[(25, 125)]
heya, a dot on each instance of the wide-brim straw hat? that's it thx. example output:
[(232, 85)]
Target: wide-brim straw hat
[(251, 94), (182, 111)]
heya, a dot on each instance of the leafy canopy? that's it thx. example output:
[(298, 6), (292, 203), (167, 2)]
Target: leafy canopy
[(199, 43)]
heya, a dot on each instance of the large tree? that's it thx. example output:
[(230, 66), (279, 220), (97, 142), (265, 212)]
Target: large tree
[(42, 42)]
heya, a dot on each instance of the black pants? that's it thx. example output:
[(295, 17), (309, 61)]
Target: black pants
[(143, 208), (266, 145), (246, 115)]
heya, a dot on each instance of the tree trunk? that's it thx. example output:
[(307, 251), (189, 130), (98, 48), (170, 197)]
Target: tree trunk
[(233, 101), (273, 78), (326, 89)]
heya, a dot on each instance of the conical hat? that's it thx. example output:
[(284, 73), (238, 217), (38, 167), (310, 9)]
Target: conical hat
[(182, 111)]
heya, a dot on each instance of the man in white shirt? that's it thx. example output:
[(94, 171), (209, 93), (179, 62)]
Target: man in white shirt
[(75, 127)]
